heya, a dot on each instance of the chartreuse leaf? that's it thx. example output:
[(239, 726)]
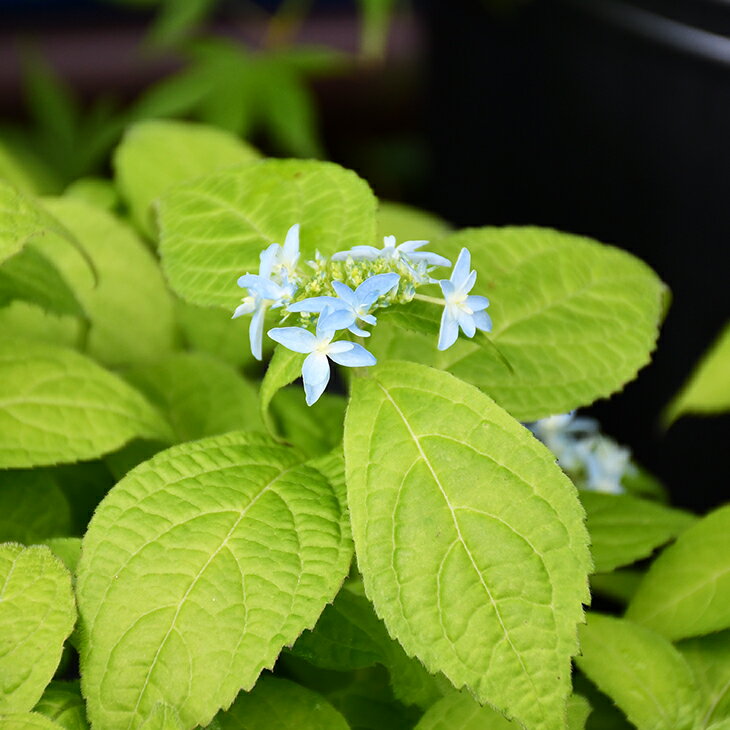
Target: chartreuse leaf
[(96, 191), (686, 591), (284, 367), (450, 499), (196, 569), (461, 710), (350, 636), (37, 613), (618, 585), (29, 321), (640, 671), (30, 276), (20, 220), (32, 506), (59, 406), (67, 550), (624, 529), (211, 330), (162, 717), (315, 429), (278, 704), (155, 155), (131, 310), (721, 725), (579, 709), (709, 659), (62, 702), (708, 389), (212, 230), (28, 721), (408, 224), (574, 320), (199, 395)]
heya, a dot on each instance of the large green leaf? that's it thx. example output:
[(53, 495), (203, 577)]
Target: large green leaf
[(213, 230), (30, 276), (131, 310), (197, 568), (641, 671), (37, 613), (708, 389), (62, 702), (20, 221), (687, 589), (59, 406), (162, 717), (350, 636), (211, 330), (450, 499), (28, 721), (29, 321), (709, 659), (574, 320), (278, 704), (624, 529), (199, 395), (284, 367), (461, 710), (156, 155), (409, 224), (32, 506)]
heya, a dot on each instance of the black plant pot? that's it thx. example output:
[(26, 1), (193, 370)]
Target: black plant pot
[(610, 119)]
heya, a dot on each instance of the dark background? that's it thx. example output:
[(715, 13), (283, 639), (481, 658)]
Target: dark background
[(600, 117)]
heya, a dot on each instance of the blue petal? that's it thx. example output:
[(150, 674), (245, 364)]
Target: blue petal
[(375, 287), (476, 303), (482, 321), (448, 332), (313, 304), (345, 294), (332, 320), (408, 247), (461, 268), (316, 375), (294, 338), (432, 259), (358, 252), (245, 308), (291, 243), (256, 332), (447, 288), (466, 322), (356, 357), (357, 331), (267, 259)]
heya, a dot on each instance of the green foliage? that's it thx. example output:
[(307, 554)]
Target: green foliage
[(409, 224), (709, 659), (574, 320), (624, 529), (196, 569), (157, 155), (59, 406), (460, 709), (284, 368), (686, 591), (439, 539), (32, 507), (129, 306), (37, 613), (707, 391), (278, 704), (200, 396), (28, 721), (213, 230), (62, 702), (641, 672)]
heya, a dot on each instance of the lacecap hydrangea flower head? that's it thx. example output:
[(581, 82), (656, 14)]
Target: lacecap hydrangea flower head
[(335, 299)]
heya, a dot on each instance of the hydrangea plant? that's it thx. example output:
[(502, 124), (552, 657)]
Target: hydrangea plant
[(188, 540)]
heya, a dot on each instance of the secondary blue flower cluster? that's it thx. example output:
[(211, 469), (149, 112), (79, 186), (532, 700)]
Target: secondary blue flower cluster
[(591, 459), (342, 292)]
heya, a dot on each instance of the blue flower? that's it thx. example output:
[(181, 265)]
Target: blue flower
[(287, 258), (407, 252), (605, 464), (263, 293), (318, 347), (348, 306), (565, 435), (462, 309)]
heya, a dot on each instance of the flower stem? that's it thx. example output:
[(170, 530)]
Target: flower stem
[(430, 300)]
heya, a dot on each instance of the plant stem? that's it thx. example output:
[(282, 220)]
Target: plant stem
[(430, 300)]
